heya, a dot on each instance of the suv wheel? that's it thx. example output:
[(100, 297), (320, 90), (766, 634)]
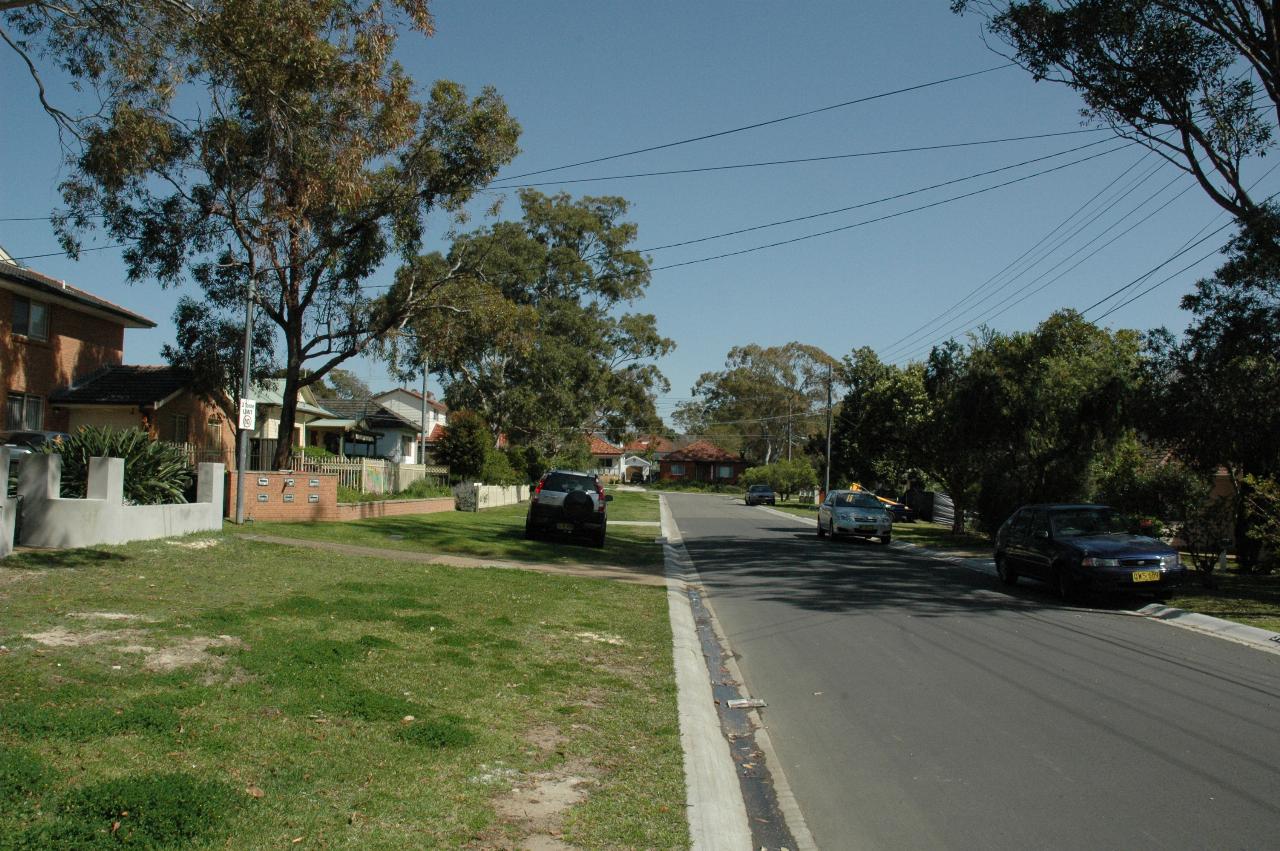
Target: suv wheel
[(1006, 574)]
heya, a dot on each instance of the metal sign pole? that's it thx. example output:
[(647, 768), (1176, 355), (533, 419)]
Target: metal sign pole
[(243, 460)]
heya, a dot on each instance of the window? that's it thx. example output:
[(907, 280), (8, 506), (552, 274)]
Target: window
[(24, 412), (30, 318), (177, 429), (724, 472), (677, 469), (213, 433)]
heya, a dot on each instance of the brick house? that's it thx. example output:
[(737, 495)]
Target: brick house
[(51, 336), (156, 399), (703, 462), (606, 457)]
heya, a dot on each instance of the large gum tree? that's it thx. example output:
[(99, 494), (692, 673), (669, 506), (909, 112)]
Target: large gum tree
[(284, 162)]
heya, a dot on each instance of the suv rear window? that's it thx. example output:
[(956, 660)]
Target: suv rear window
[(568, 483), (760, 489)]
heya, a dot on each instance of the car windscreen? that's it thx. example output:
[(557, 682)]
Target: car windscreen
[(857, 500), (761, 489), (1077, 522), (568, 483)]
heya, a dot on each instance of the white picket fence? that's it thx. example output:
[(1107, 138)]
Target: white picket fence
[(371, 475)]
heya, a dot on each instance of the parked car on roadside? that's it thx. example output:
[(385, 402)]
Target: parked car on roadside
[(1078, 547), (760, 495), (857, 513), (568, 502), (26, 442)]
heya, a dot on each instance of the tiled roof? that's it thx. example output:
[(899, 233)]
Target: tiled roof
[(437, 434), (647, 442), (702, 450), (351, 409), (600, 446), (270, 391), (62, 290), (124, 385), (431, 403)]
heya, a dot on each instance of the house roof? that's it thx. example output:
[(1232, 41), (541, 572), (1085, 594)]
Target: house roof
[(270, 391), (431, 403), (142, 386), (600, 446), (648, 442), (56, 290), (702, 450), (437, 433)]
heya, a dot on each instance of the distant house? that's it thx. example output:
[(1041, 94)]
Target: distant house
[(400, 436), (269, 395), (642, 456), (52, 335), (605, 457), (156, 399), (701, 461), (353, 428)]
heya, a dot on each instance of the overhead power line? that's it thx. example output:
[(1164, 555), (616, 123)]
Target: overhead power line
[(888, 216), (757, 125), (801, 160), (863, 204)]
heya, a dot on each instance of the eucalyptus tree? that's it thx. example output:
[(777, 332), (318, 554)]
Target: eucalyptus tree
[(306, 162)]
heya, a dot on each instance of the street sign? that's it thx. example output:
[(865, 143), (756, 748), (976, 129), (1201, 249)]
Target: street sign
[(248, 414)]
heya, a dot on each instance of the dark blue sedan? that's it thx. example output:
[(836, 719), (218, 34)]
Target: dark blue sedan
[(1083, 547)]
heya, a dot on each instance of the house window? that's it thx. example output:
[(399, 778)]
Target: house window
[(24, 413), (677, 469), (30, 318), (177, 429), (213, 433), (726, 472)]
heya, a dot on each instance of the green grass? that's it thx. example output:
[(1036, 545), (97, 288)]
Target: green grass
[(293, 722), (631, 505), (1244, 598), (496, 533)]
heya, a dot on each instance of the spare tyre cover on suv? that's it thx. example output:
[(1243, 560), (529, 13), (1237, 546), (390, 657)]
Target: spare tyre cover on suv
[(578, 506)]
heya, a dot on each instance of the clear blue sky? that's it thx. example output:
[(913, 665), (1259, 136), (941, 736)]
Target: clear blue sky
[(590, 79)]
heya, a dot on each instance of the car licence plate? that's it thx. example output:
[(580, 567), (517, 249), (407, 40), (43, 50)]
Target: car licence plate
[(1146, 576), (564, 527)]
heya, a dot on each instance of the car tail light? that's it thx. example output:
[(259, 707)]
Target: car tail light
[(600, 495), (538, 489)]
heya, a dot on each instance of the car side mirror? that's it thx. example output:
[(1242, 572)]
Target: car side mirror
[(608, 497)]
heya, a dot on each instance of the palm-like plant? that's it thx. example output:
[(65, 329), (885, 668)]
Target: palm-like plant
[(154, 473)]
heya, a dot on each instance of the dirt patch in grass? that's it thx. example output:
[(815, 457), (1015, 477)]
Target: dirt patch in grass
[(185, 653), (60, 636), (110, 616), (189, 653), (537, 805)]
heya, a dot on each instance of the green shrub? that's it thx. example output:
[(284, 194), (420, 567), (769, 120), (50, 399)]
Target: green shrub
[(154, 472), (318, 452), (498, 470)]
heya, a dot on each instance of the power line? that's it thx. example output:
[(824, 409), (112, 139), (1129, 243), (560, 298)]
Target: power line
[(64, 254), (802, 160), (884, 217), (896, 197), (760, 124)]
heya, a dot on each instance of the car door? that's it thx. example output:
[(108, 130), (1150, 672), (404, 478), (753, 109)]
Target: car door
[(1037, 558), (1015, 538), (824, 512)]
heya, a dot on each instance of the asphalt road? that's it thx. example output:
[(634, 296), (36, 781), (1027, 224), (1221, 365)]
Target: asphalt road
[(916, 704)]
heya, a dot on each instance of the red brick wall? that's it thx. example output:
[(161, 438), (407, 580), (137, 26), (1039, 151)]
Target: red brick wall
[(326, 508), (78, 344)]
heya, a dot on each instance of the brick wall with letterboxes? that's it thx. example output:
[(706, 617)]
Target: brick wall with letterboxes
[(285, 496), (314, 496)]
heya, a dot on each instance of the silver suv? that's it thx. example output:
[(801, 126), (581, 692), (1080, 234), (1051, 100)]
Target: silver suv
[(570, 503)]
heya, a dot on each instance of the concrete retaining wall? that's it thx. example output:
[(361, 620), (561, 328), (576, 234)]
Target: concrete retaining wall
[(102, 517), (8, 507)]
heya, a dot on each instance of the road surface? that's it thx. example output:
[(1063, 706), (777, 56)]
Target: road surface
[(918, 704)]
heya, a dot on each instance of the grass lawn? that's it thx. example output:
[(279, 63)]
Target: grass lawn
[(1243, 598), (493, 533), (632, 505), (215, 692)]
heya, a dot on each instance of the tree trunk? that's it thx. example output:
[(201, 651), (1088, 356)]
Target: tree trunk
[(288, 417)]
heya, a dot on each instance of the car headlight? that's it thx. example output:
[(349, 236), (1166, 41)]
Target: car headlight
[(1094, 561), (1170, 561)]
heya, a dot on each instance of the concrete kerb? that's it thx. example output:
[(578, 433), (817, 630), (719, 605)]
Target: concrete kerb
[(1251, 636), (716, 811), (681, 573)]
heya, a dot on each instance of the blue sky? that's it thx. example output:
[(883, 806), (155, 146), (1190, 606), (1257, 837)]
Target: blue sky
[(591, 79)]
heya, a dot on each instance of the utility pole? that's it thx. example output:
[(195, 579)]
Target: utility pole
[(828, 480), (789, 428), (243, 460), (422, 436)]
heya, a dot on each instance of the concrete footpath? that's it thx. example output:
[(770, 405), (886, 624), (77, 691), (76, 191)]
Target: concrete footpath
[(1252, 636)]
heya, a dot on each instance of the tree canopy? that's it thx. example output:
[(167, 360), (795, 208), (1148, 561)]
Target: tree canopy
[(540, 347), (308, 163), (764, 400)]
